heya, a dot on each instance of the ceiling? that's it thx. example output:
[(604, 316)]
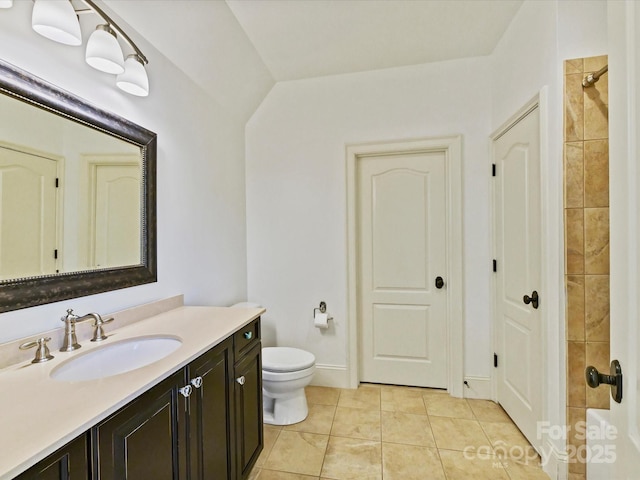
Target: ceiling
[(237, 49)]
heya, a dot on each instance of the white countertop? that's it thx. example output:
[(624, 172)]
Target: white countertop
[(38, 415)]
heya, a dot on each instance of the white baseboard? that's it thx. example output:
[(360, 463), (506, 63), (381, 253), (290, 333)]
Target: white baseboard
[(554, 462), (330, 376), (477, 387)]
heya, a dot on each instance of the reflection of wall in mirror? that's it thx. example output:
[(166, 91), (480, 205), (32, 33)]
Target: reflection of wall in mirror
[(34, 129)]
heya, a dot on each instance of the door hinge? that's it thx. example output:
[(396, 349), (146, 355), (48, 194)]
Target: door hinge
[(55, 254), (57, 182), (493, 169), (495, 360), (495, 265)]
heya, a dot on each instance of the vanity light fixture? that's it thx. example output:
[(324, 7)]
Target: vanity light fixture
[(6, 3), (58, 21), (104, 52)]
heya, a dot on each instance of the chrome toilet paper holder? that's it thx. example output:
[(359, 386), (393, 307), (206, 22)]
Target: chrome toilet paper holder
[(322, 308)]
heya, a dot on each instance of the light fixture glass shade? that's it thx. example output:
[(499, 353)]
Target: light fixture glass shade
[(57, 21), (6, 3), (134, 80), (104, 52)]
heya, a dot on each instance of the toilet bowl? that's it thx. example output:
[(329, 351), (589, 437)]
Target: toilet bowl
[(285, 373)]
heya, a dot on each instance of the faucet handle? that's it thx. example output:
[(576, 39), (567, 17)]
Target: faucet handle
[(70, 316), (98, 332), (42, 353)]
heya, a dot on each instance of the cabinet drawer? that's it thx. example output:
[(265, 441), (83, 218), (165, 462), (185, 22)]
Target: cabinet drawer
[(245, 338)]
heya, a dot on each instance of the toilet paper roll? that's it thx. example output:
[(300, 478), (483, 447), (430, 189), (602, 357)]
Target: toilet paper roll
[(321, 320)]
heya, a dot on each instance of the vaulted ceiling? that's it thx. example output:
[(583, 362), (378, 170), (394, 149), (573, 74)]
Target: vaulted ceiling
[(237, 49)]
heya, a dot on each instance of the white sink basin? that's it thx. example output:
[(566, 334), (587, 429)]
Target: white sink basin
[(115, 358)]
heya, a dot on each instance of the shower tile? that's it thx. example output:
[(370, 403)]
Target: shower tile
[(573, 108), (596, 110), (458, 433), (322, 395), (597, 308), (463, 466), (407, 428), (574, 175), (404, 462), (357, 423), (319, 420), (574, 65), (597, 354), (596, 240), (298, 452), (350, 458), (402, 399), (488, 411), (575, 308), (576, 388), (593, 64), (596, 173), (447, 406), (576, 440), (574, 240)]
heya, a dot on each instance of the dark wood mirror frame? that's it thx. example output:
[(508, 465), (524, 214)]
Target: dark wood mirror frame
[(28, 292)]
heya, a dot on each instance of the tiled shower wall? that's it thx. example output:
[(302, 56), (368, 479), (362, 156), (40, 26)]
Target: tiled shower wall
[(586, 202)]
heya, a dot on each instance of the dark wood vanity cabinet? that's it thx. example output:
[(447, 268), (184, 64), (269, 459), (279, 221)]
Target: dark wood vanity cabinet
[(203, 422), (68, 462)]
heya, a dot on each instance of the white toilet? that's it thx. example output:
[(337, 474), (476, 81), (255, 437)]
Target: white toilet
[(285, 373)]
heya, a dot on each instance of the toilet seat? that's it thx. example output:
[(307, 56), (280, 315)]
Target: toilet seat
[(286, 359)]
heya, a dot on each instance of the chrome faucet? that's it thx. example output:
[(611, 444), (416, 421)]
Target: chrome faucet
[(71, 340)]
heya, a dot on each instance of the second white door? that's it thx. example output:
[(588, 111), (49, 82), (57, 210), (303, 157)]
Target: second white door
[(401, 253)]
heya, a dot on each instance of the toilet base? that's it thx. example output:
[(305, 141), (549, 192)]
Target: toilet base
[(285, 411)]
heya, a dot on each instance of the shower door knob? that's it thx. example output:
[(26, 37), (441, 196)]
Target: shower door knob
[(533, 299), (595, 379)]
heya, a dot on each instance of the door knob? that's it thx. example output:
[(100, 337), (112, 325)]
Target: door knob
[(595, 379), (439, 282), (533, 299)]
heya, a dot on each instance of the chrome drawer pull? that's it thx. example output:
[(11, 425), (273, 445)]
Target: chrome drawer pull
[(248, 335)]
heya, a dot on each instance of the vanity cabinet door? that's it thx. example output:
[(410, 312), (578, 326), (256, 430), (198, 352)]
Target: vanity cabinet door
[(145, 440), (211, 438), (248, 410), (69, 462)]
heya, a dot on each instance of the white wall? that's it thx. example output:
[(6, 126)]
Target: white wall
[(296, 191), (201, 198)]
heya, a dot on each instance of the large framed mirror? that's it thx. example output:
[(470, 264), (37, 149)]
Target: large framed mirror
[(77, 196)]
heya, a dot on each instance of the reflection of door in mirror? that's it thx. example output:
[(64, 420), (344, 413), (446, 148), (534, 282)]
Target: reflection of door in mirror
[(115, 191), (28, 213)]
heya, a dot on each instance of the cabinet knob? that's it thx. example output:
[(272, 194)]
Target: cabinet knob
[(240, 380), (185, 391), (248, 335), (196, 382)]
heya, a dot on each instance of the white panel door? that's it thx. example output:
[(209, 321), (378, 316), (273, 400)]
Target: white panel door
[(28, 214), (402, 249), (624, 130), (516, 155), (117, 215)]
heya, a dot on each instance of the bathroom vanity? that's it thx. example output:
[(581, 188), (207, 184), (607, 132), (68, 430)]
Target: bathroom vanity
[(196, 413)]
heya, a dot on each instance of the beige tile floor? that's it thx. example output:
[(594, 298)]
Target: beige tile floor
[(387, 432)]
